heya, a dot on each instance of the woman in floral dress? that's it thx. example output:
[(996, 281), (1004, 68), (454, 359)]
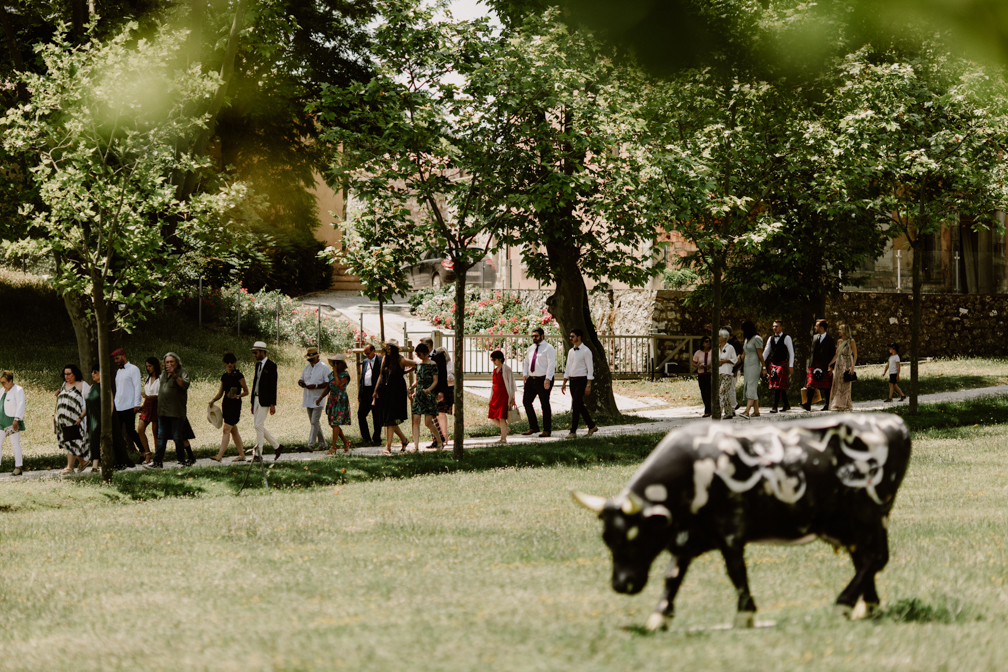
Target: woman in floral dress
[(338, 406), (424, 394)]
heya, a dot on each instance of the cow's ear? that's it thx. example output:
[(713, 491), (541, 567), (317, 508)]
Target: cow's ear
[(590, 502)]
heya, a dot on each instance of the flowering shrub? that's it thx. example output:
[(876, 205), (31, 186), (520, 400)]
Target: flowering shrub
[(487, 311), (299, 324)]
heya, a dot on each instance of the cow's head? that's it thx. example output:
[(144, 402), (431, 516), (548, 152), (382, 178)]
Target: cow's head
[(635, 532)]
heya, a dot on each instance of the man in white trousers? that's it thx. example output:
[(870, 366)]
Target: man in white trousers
[(264, 398), (12, 410)]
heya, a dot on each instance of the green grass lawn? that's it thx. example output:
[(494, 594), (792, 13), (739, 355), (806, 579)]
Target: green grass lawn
[(422, 563)]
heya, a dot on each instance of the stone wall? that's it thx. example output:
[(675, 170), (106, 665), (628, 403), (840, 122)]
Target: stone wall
[(952, 325)]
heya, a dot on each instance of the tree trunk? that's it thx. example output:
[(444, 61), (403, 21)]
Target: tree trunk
[(569, 307), (197, 8), (78, 19), (801, 337), (105, 364), (460, 274), (918, 300), (715, 343), (381, 319), (84, 330)]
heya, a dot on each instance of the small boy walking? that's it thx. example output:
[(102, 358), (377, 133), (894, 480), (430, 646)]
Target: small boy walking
[(893, 369)]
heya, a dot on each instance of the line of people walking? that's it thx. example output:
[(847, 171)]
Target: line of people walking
[(830, 371), (158, 400)]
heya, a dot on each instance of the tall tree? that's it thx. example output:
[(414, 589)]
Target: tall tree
[(927, 134), (576, 175), (104, 119), (417, 134)]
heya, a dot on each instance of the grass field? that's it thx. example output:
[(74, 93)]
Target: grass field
[(483, 566)]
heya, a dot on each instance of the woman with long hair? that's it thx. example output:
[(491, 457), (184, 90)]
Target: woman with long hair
[(391, 390), (148, 409), (503, 396), (843, 364), (752, 366), (233, 389), (71, 410), (444, 392)]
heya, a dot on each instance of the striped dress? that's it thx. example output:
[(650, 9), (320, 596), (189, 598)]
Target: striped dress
[(69, 407)]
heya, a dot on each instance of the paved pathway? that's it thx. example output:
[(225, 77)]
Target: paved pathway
[(652, 421), (355, 307)]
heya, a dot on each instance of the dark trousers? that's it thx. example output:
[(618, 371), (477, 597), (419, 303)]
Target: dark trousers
[(122, 459), (781, 395), (704, 379), (535, 386), (577, 388), (127, 420), (366, 405), (173, 429)]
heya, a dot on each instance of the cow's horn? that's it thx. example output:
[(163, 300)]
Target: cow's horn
[(632, 504), (590, 502)]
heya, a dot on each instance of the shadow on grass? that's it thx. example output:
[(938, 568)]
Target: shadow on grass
[(915, 610), (987, 411), (197, 481)]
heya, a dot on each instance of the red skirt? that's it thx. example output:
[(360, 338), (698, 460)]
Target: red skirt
[(778, 376), (148, 412), (825, 380), (499, 399)]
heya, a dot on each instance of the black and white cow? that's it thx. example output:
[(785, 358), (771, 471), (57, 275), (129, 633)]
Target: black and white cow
[(719, 486)]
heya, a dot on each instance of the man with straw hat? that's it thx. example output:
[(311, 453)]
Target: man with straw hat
[(314, 377), (264, 398)]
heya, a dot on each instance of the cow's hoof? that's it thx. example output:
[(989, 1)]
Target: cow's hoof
[(843, 610), (863, 610), (745, 619), (657, 621)]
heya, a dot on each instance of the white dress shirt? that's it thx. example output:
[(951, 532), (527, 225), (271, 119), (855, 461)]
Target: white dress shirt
[(316, 374), (369, 379), (727, 352), (579, 363), (787, 344), (545, 361), (127, 382)]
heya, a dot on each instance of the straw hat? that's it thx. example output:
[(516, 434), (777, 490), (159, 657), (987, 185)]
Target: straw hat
[(259, 345), (337, 358), (215, 416), (392, 341), (311, 352)]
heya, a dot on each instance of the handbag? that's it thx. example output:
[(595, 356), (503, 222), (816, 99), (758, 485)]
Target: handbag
[(72, 433), (850, 376), (514, 415)]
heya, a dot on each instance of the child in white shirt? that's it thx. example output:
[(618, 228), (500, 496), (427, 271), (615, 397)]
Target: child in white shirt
[(893, 368)]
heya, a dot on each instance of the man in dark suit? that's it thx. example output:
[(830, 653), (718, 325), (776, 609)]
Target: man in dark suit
[(264, 398), (370, 370), (819, 376)]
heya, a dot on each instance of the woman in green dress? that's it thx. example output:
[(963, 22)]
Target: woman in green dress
[(338, 406), (424, 395)]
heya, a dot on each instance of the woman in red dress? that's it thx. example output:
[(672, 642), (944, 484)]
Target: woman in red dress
[(502, 399)]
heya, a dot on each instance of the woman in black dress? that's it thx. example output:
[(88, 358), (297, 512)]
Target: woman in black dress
[(232, 388), (391, 389), (445, 391)]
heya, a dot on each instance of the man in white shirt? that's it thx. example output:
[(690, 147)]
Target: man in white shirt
[(779, 352), (580, 371), (314, 377), (370, 371), (539, 369), (128, 384)]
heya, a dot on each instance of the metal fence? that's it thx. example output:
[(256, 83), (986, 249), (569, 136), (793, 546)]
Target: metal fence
[(629, 356)]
